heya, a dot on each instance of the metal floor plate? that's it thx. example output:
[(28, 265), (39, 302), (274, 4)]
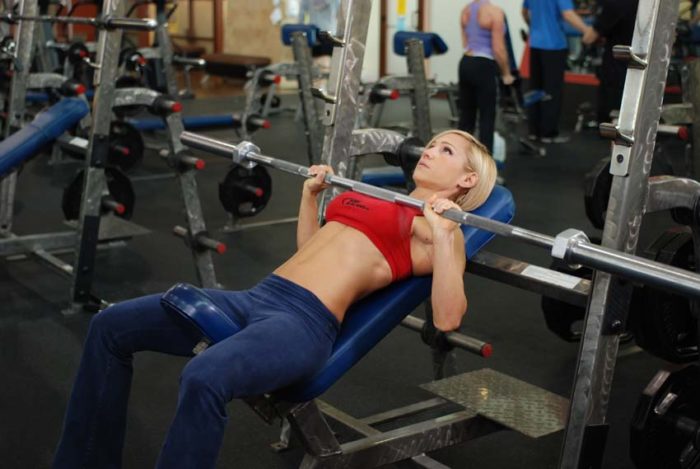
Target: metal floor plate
[(515, 404)]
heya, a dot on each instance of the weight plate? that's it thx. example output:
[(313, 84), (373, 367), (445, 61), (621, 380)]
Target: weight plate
[(245, 192)]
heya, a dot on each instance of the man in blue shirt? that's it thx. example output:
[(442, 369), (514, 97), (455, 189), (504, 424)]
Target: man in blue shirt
[(548, 52)]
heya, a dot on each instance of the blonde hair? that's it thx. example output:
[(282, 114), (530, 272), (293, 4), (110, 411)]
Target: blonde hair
[(480, 161)]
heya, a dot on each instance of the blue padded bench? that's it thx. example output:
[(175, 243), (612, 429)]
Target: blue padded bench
[(189, 122), (46, 127), (39, 97), (310, 30), (373, 317), (432, 43), (384, 176)]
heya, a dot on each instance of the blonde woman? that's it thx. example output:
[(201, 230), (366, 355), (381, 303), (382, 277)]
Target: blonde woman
[(289, 321)]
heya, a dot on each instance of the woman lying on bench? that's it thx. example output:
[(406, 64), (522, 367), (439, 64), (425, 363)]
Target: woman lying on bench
[(289, 321)]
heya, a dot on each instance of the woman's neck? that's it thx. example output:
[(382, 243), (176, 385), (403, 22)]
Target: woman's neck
[(424, 193)]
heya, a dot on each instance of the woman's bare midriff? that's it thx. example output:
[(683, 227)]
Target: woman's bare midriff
[(339, 265)]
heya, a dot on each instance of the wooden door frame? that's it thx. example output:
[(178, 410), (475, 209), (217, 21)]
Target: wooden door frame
[(383, 14)]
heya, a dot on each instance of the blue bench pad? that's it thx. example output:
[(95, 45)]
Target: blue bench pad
[(432, 42), (46, 127), (310, 30)]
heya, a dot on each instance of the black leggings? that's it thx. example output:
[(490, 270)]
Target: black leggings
[(547, 69), (478, 92)]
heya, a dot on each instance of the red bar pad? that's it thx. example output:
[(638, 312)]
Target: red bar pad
[(586, 79), (486, 350)]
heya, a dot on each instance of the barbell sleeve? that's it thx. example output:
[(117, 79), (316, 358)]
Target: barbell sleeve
[(571, 246), (132, 24)]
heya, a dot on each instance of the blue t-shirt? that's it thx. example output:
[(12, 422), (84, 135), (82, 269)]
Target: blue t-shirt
[(547, 23)]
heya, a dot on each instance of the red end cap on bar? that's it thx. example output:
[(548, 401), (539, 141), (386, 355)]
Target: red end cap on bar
[(80, 89), (176, 107), (486, 350), (683, 133), (220, 248), (266, 124), (120, 209), (394, 95), (199, 164)]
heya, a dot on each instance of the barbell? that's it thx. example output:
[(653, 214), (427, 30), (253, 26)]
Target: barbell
[(571, 246), (104, 22)]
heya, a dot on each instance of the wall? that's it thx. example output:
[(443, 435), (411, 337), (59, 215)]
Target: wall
[(249, 31)]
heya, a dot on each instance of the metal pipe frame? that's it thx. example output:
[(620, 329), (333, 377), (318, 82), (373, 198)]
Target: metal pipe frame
[(648, 59), (16, 105), (194, 216), (94, 182), (166, 50), (376, 448), (309, 109), (570, 245), (340, 111), (420, 100)]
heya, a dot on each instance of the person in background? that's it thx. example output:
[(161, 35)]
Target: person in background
[(485, 58), (548, 53), (614, 23)]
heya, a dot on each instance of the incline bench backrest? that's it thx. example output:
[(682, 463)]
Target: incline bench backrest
[(373, 317)]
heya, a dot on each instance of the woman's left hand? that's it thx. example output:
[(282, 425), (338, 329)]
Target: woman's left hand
[(433, 208)]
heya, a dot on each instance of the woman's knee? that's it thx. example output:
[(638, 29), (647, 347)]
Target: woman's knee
[(201, 377)]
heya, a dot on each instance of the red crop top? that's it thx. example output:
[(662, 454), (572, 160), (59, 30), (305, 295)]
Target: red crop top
[(386, 224)]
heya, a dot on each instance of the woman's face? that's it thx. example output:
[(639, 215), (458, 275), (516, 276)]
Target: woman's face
[(443, 164)]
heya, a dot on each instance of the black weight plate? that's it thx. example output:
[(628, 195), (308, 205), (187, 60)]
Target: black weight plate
[(562, 318), (126, 145), (655, 440), (275, 102), (118, 185), (237, 192), (663, 323), (597, 192)]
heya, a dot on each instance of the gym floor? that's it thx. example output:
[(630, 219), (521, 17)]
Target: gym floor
[(41, 346)]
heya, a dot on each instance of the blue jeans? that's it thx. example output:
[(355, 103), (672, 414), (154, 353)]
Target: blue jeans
[(287, 334)]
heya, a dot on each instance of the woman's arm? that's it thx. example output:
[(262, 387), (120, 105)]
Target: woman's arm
[(464, 19), (449, 260), (498, 43), (308, 225)]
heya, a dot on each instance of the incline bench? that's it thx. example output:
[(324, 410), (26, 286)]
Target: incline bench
[(507, 402)]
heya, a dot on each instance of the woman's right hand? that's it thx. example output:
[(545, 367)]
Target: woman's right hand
[(317, 184)]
